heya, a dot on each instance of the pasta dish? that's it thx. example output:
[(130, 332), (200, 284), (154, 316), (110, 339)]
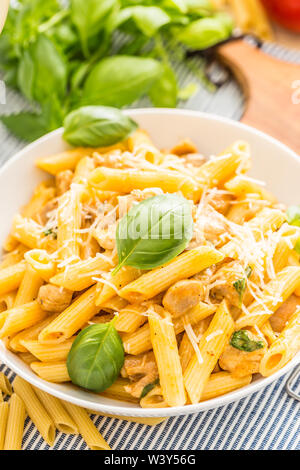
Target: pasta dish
[(157, 277)]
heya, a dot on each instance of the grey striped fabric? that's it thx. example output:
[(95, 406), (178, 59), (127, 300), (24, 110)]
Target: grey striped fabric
[(269, 419)]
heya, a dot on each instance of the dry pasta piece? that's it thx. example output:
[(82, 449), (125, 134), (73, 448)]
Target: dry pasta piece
[(274, 294), (72, 319), (56, 372), (163, 339), (62, 420), (15, 423), (86, 427), (68, 224), (140, 341), (22, 317), (41, 262), (5, 385), (68, 159), (111, 284), (108, 179), (11, 277), (211, 346), (35, 410), (3, 422), (183, 266), (29, 287), (29, 334), (80, 275), (48, 352), (284, 348)]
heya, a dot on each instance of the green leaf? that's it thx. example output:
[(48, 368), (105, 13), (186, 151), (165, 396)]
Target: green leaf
[(248, 271), (147, 19), (188, 91), (241, 340), (89, 17), (148, 388), (154, 232), (293, 215), (205, 32), (120, 80), (164, 92), (97, 126), (96, 357), (42, 71), (240, 287), (26, 126)]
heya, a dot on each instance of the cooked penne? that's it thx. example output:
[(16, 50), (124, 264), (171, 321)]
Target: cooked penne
[(163, 339), (22, 317), (283, 348), (113, 284), (41, 262), (68, 224), (11, 277), (13, 257), (241, 185), (86, 427), (131, 318), (48, 352), (51, 371), (185, 265), (31, 234), (29, 334), (211, 346), (35, 410), (62, 420), (117, 391), (43, 193), (71, 319), (15, 424), (29, 287)]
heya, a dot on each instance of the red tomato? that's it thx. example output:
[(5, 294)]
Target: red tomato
[(286, 12)]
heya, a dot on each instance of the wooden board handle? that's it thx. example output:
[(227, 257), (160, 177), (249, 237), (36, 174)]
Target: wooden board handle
[(268, 86)]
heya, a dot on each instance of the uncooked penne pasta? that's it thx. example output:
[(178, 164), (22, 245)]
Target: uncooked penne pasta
[(56, 372), (29, 287), (62, 420), (5, 385), (211, 346), (163, 339), (72, 319), (22, 317), (183, 266), (35, 410), (15, 423), (86, 427), (283, 348), (3, 422)]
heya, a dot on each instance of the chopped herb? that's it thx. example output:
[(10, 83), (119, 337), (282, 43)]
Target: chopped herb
[(240, 287), (148, 388), (50, 231), (248, 271), (293, 218), (240, 340)]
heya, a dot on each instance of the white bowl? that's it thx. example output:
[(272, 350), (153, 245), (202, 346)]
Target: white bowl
[(273, 162)]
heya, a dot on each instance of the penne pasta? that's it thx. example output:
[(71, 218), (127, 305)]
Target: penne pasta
[(5, 384), (48, 352), (15, 424), (68, 224), (113, 284), (3, 422), (11, 277), (41, 262), (29, 334), (21, 317), (51, 371), (29, 287)]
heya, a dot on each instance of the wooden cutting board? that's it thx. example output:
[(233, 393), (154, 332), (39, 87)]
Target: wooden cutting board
[(271, 87)]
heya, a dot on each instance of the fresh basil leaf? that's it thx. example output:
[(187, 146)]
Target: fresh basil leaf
[(154, 232), (147, 19), (201, 7), (293, 215), (26, 126), (179, 5), (96, 357), (120, 80), (241, 340), (89, 17), (97, 126), (164, 92), (42, 71), (148, 388), (205, 32), (240, 287), (297, 246)]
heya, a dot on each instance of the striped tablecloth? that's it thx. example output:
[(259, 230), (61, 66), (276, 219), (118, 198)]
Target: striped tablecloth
[(269, 419)]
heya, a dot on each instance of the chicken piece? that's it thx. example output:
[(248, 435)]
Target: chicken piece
[(106, 237), (231, 277), (193, 160), (54, 299), (137, 195), (46, 211), (280, 318), (141, 370), (219, 200), (89, 248), (182, 296), (183, 147), (242, 363), (209, 225), (63, 181)]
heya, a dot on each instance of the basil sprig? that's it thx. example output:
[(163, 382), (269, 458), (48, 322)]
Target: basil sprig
[(154, 231), (96, 357), (97, 126), (241, 340)]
